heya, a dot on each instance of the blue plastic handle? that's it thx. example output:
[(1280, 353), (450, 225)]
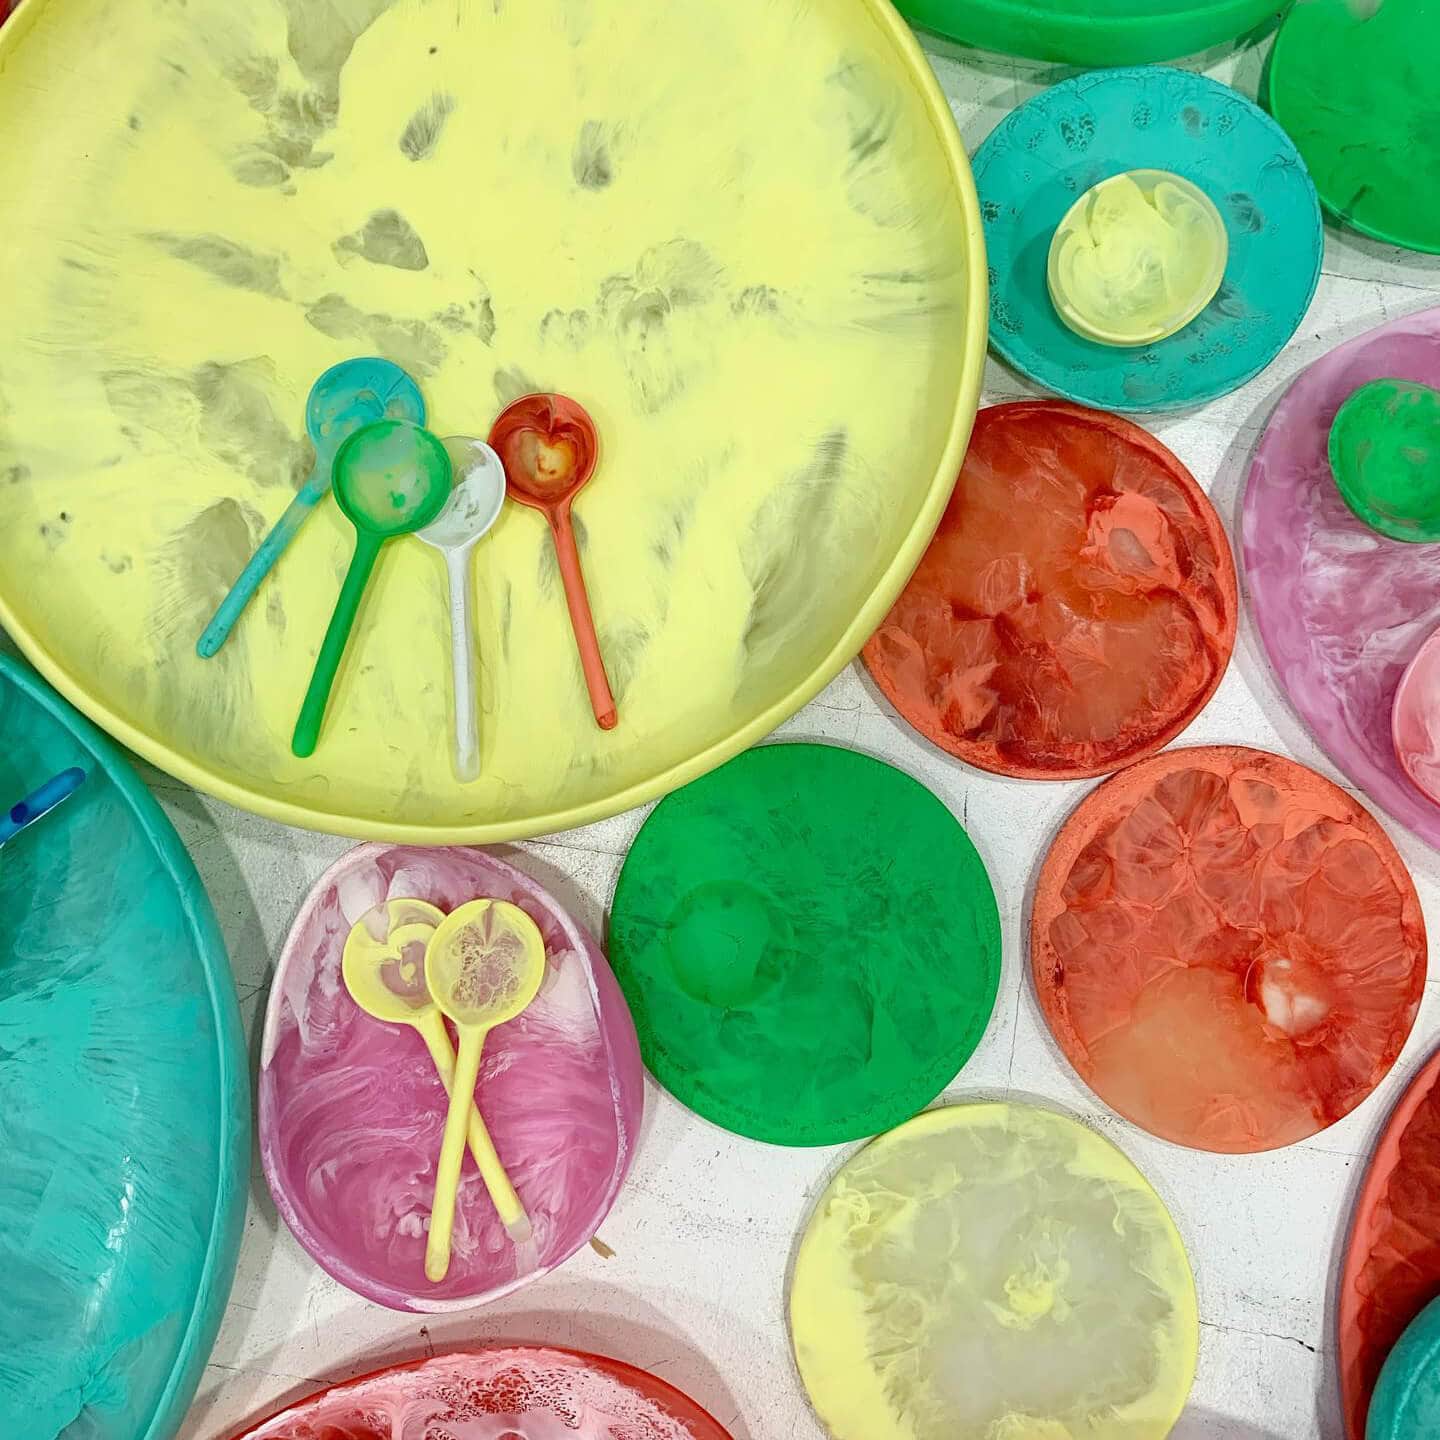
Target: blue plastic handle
[(38, 802), (346, 397)]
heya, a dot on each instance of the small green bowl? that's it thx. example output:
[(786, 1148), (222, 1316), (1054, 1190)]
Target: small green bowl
[(1385, 456)]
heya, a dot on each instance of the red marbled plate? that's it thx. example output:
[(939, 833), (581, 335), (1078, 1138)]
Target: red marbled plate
[(1227, 947), (1392, 1263), (1076, 608), (497, 1394)]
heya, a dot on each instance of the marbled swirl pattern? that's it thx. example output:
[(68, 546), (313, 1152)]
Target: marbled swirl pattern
[(573, 195), (1049, 151), (352, 1112), (124, 1097), (1342, 610), (516, 1393)]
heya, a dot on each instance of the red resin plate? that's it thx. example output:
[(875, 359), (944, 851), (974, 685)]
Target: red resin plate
[(1076, 608), (497, 1394), (1227, 947), (1392, 1264)]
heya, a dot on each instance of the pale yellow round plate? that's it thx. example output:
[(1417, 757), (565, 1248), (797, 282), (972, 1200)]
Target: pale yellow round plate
[(993, 1272), (743, 235)]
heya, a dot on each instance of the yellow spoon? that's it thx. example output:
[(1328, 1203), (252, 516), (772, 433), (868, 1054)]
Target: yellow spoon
[(384, 970), (484, 965)]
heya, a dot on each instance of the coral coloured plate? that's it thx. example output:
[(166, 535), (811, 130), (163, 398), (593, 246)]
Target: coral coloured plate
[(1227, 947), (1085, 637)]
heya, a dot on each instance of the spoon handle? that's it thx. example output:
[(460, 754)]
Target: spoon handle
[(260, 563), (581, 621), (462, 660), (332, 649), (452, 1153), (39, 802), (482, 1147)]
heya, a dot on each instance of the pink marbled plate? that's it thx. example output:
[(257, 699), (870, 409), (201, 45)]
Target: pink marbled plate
[(351, 1110), (1416, 718), (1342, 609)]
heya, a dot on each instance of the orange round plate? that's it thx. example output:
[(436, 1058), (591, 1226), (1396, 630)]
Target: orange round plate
[(1392, 1263), (1076, 608), (1227, 948)]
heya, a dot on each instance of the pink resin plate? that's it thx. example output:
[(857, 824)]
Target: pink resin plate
[(520, 1392), (1415, 721), (1342, 609), (352, 1112)]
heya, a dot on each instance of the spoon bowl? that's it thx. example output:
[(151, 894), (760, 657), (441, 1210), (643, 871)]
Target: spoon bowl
[(549, 447), (484, 965), (473, 507), (347, 396), (391, 478)]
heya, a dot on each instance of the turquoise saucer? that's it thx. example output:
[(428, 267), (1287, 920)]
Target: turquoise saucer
[(1045, 154)]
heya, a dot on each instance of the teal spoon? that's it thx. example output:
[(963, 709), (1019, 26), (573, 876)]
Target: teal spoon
[(347, 396), (391, 478)]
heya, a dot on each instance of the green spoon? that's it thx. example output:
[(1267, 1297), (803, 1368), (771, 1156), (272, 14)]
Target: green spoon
[(391, 478), (1385, 452)]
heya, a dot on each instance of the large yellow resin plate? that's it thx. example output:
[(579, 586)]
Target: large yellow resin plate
[(742, 234), (993, 1272)]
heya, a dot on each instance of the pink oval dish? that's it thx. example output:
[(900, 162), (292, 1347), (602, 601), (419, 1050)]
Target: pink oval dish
[(352, 1112), (500, 1394)]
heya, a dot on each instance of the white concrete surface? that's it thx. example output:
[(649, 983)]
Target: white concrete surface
[(702, 1234)]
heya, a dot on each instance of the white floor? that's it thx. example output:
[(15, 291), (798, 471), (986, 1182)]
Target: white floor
[(703, 1231)]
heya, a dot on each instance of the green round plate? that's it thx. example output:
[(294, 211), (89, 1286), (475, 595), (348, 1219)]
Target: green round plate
[(1354, 86), (1097, 32), (809, 944)]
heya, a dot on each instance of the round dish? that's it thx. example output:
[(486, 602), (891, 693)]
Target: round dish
[(1415, 719), (126, 1093), (540, 1390), (1392, 1261), (1227, 948), (1003, 1232), (1342, 610), (1057, 145), (271, 188), (1082, 640), (1136, 258), (809, 944), (352, 1111), (1101, 32), (1352, 83), (1385, 454)]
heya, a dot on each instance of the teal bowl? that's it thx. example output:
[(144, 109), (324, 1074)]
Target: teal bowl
[(124, 1096), (1406, 1402)]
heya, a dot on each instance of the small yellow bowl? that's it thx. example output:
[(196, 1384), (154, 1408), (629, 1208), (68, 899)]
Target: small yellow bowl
[(1136, 258)]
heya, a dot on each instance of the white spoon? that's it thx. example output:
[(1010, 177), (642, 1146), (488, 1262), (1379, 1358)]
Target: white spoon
[(473, 507)]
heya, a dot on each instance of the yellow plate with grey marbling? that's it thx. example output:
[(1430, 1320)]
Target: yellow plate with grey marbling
[(993, 1272), (743, 235)]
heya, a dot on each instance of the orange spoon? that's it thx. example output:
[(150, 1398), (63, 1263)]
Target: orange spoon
[(549, 447)]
